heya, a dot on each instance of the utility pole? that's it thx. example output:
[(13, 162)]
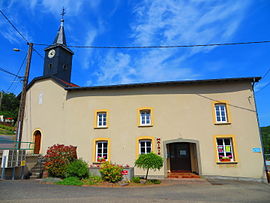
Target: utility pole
[(23, 97), (1, 97)]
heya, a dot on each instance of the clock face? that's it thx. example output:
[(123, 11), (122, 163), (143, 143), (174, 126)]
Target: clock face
[(51, 53)]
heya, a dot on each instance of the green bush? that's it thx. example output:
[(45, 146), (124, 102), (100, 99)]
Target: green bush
[(149, 161), (92, 180), (70, 181), (136, 180), (111, 172), (77, 168), (154, 181)]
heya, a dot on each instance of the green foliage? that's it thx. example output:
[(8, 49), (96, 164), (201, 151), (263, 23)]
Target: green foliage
[(149, 161), (92, 180), (136, 180), (6, 130), (77, 168), (266, 139), (70, 181), (111, 172), (58, 158), (154, 181), (5, 127), (9, 106)]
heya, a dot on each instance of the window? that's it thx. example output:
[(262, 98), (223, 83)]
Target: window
[(225, 149), (101, 150), (145, 117), (145, 146), (101, 119), (65, 67), (221, 113)]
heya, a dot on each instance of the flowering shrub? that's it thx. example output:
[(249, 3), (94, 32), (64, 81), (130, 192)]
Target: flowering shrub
[(111, 172), (58, 157), (77, 168)]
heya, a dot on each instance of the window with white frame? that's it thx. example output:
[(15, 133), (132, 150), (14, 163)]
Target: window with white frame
[(225, 149), (221, 113), (101, 119), (145, 117), (145, 146), (101, 150)]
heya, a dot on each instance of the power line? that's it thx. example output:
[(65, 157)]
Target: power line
[(4, 70), (266, 73), (13, 26), (17, 73), (263, 87), (38, 53), (24, 38), (160, 46)]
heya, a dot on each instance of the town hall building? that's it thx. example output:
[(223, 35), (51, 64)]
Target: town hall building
[(207, 127)]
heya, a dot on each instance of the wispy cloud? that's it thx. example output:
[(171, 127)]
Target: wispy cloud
[(170, 22), (8, 32), (113, 67), (87, 53), (55, 7)]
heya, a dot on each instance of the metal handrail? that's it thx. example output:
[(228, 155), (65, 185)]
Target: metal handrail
[(16, 144)]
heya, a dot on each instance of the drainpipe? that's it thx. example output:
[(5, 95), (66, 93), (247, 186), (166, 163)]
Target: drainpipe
[(260, 132)]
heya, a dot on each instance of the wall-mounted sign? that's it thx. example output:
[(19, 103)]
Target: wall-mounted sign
[(158, 146), (256, 149)]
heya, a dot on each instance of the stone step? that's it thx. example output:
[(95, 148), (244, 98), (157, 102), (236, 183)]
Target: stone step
[(36, 169), (182, 175), (36, 174), (34, 177)]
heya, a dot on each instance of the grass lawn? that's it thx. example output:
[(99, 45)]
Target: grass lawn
[(6, 130)]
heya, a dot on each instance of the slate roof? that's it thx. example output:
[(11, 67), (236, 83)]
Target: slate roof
[(62, 83), (167, 83)]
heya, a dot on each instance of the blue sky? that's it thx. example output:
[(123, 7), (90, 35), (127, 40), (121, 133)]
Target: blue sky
[(144, 22)]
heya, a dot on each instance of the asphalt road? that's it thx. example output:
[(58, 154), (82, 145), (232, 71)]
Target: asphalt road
[(220, 191)]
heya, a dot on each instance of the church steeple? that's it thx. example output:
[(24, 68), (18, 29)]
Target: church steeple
[(60, 37), (58, 57)]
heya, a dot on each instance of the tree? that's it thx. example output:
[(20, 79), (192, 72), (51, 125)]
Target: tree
[(9, 105), (149, 161), (266, 140)]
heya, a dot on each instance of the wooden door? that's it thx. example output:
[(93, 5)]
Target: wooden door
[(180, 157), (37, 142)]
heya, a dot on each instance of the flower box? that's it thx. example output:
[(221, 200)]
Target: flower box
[(94, 170)]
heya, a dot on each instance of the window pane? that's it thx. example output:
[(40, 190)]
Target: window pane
[(219, 142), (227, 141)]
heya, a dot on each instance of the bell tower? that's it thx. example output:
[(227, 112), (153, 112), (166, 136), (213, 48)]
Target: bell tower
[(58, 57)]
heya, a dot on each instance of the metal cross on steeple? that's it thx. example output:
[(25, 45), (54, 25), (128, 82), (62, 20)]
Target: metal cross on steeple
[(60, 37), (63, 13)]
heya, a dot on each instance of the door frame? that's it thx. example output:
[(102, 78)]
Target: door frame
[(34, 134), (194, 142)]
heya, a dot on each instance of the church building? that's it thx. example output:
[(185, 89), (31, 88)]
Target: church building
[(207, 127)]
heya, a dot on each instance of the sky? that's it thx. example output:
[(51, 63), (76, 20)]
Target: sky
[(143, 23)]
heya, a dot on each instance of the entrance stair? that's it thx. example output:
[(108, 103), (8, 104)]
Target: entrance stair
[(37, 170), (182, 174)]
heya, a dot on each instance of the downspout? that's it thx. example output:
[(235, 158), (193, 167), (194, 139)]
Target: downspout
[(260, 132)]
